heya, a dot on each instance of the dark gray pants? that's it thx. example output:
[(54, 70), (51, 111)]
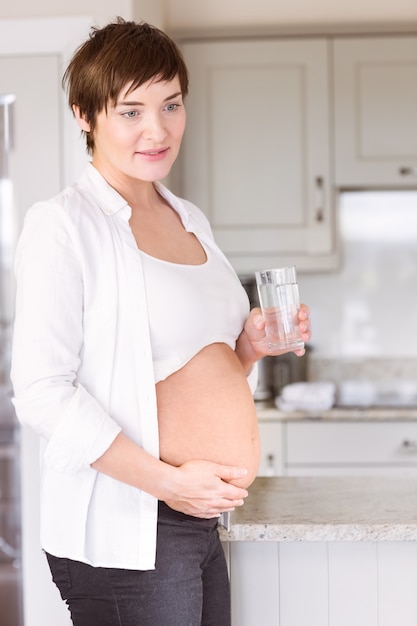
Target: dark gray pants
[(189, 586)]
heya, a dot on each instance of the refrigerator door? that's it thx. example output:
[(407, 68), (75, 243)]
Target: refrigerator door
[(10, 510)]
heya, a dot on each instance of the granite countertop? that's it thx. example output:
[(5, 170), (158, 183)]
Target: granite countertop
[(339, 413), (327, 509)]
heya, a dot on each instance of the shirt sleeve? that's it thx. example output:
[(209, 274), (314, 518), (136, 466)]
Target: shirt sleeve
[(252, 378), (48, 343)]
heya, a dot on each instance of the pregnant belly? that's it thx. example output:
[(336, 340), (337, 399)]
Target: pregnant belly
[(206, 411)]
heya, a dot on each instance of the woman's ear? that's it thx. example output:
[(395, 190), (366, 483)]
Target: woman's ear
[(81, 121)]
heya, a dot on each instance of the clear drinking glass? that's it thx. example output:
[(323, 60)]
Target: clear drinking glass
[(280, 303)]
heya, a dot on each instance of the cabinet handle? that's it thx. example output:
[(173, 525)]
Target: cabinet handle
[(409, 444), (408, 171), (7, 550), (270, 465), (319, 199)]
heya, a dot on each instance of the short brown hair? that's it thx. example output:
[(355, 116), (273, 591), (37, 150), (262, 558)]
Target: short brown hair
[(114, 56)]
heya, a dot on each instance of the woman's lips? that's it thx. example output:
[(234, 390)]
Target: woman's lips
[(153, 155)]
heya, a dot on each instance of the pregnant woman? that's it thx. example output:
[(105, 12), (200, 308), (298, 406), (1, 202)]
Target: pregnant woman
[(134, 355)]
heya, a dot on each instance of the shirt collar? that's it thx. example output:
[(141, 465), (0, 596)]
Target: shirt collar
[(108, 199), (111, 202), (176, 203)]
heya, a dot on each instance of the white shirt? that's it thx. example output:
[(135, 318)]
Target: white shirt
[(213, 307), (82, 367)]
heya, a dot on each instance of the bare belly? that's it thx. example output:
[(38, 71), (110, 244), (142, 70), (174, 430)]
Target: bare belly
[(206, 411)]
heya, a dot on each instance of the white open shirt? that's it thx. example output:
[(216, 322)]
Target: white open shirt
[(82, 367)]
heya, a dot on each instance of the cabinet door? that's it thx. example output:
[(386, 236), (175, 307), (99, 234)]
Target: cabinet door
[(366, 448), (376, 111), (256, 149), (270, 434)]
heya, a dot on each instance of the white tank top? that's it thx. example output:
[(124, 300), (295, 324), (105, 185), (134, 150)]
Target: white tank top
[(190, 307)]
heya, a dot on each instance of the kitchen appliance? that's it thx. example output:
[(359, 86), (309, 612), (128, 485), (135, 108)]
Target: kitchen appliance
[(10, 509)]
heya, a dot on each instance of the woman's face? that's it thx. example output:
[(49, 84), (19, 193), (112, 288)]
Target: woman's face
[(140, 137)]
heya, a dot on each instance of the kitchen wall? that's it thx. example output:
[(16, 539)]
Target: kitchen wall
[(101, 10), (176, 15), (188, 14), (366, 310), (363, 314), (47, 8)]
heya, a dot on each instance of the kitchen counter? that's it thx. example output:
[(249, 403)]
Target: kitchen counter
[(324, 550), (283, 509), (340, 413)]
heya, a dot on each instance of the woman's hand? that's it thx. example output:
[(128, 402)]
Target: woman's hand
[(252, 343), (199, 488), (204, 489)]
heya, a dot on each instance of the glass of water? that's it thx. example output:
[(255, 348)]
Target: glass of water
[(280, 303)]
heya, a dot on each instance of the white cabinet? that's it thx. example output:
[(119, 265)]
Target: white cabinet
[(271, 438), (331, 448), (375, 111), (315, 583), (349, 448), (256, 149), (275, 126)]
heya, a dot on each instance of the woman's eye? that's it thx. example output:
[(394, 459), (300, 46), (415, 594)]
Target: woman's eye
[(173, 106), (130, 114)]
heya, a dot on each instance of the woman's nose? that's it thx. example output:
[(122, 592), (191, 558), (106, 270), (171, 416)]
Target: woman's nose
[(154, 127)]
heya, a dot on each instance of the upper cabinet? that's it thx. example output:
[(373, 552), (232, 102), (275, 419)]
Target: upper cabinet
[(375, 111), (276, 126), (256, 152)]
